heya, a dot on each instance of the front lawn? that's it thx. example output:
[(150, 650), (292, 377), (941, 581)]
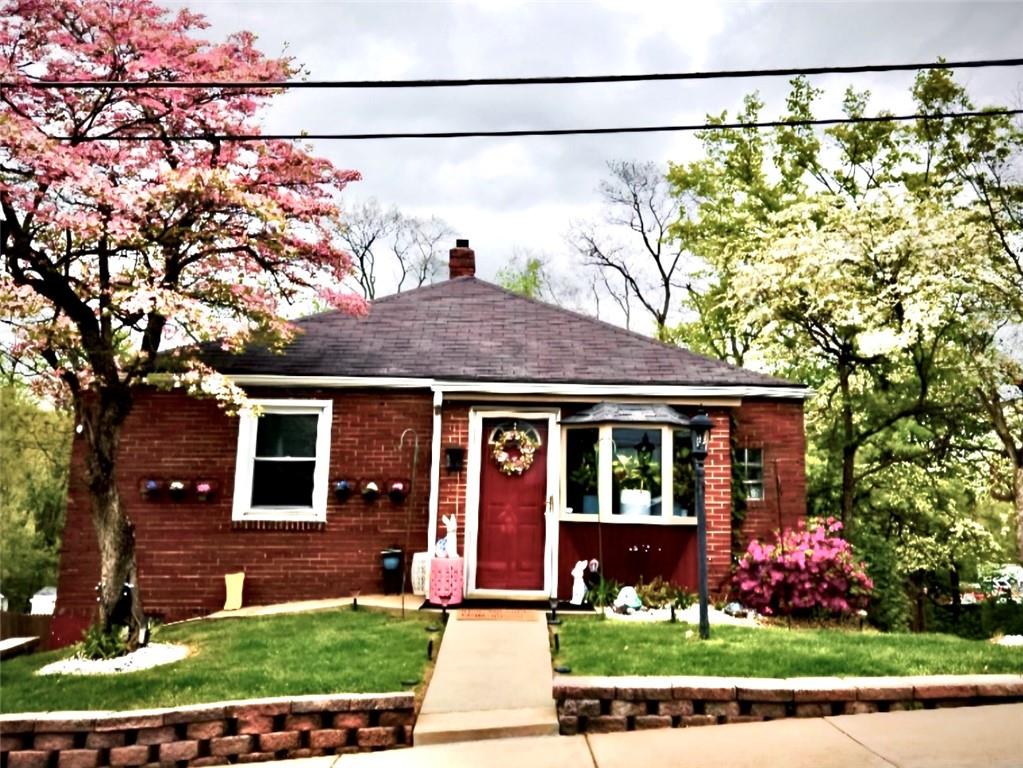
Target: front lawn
[(591, 646), (240, 658)]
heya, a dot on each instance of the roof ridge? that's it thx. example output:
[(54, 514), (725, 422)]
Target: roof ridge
[(382, 300)]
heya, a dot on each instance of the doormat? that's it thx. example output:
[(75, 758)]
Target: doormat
[(495, 614), (512, 605)]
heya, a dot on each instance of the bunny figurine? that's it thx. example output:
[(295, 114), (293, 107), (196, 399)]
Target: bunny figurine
[(451, 539), (578, 585)]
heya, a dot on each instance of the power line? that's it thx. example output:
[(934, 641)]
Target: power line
[(552, 131), (560, 80)]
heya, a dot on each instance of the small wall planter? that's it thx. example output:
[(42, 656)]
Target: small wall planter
[(177, 489), (205, 490), (397, 490), (370, 490), (150, 488), (343, 489)]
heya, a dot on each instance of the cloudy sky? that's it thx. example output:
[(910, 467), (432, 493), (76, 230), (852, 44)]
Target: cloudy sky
[(507, 194)]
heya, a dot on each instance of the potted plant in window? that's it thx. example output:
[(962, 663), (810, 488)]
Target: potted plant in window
[(585, 476), (634, 472)]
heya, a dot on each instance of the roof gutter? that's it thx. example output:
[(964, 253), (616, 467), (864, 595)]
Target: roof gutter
[(449, 386)]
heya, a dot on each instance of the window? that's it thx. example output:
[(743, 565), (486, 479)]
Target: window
[(683, 476), (282, 463), (628, 472), (636, 471), (750, 463), (582, 459)]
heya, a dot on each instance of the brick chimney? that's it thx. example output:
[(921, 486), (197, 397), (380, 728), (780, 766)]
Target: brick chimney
[(462, 261)]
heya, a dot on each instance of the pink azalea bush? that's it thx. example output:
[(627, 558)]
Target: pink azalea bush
[(809, 569)]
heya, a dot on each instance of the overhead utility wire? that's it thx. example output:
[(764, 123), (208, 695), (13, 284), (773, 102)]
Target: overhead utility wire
[(566, 80), (548, 132)]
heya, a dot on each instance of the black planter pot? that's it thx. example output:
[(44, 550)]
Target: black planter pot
[(343, 490)]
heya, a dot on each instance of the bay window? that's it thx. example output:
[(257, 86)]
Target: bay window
[(628, 472)]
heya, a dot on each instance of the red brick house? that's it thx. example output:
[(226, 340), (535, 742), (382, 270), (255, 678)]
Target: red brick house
[(601, 411)]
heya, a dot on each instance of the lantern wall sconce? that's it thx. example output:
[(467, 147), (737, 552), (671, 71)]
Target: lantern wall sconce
[(454, 458)]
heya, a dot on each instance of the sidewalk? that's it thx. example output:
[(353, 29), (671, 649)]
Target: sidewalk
[(966, 737), (492, 679)]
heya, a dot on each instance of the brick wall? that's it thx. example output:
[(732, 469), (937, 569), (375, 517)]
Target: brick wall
[(454, 432), (609, 704), (185, 548), (718, 500), (219, 733), (776, 426)]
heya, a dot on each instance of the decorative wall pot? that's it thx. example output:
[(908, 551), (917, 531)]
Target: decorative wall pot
[(397, 491), (343, 489), (205, 490), (370, 490), (150, 489), (177, 489)]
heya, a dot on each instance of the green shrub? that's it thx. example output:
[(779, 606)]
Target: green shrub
[(660, 593), (890, 607), (98, 644), (1002, 617), (604, 593), (970, 625)]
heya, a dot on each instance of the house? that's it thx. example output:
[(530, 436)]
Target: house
[(553, 438)]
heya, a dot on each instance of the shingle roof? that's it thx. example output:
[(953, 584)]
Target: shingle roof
[(470, 330)]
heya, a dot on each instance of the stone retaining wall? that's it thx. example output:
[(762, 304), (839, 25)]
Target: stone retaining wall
[(607, 704), (226, 732)]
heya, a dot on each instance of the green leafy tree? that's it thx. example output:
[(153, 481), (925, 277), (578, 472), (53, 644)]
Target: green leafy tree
[(880, 263), (35, 445)]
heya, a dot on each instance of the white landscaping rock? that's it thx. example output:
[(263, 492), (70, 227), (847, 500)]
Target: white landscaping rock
[(690, 615), (153, 655), (1015, 640)]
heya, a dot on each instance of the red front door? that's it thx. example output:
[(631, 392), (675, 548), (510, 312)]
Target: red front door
[(510, 541)]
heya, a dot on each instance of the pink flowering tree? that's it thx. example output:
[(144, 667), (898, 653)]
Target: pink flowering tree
[(809, 569), (119, 240)]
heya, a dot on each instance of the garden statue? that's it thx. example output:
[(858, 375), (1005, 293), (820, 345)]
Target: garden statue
[(578, 585), (627, 601), (592, 575), (448, 546)]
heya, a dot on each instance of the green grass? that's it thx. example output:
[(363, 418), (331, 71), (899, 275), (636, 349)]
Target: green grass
[(591, 646), (237, 658)]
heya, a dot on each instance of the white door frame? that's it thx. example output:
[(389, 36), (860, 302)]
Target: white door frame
[(472, 499)]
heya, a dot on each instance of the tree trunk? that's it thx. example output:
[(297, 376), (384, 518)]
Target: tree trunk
[(101, 419), (848, 450), (1018, 488)]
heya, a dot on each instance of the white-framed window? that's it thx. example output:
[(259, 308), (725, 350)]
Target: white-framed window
[(283, 461), (750, 463), (628, 473)]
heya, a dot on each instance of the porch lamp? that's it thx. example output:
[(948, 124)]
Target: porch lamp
[(699, 427)]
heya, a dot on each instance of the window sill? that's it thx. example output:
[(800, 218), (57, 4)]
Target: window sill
[(689, 520), (281, 515), (278, 525)]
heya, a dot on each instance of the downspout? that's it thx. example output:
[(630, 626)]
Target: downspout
[(435, 458)]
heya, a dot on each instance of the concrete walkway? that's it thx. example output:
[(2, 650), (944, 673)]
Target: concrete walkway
[(492, 680), (378, 602), (966, 737)]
